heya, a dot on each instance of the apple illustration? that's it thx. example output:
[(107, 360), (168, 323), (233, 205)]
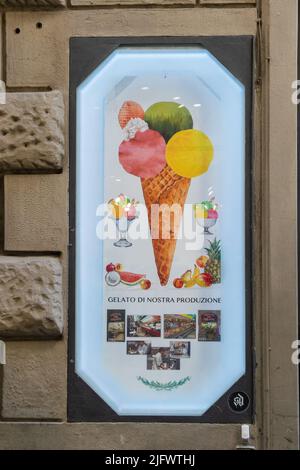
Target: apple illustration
[(110, 267), (145, 284), (178, 283)]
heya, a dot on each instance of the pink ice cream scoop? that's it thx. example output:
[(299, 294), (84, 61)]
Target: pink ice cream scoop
[(131, 213), (212, 214), (144, 155)]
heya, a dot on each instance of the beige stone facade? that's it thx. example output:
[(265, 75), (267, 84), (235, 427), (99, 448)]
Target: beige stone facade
[(34, 186), (32, 132)]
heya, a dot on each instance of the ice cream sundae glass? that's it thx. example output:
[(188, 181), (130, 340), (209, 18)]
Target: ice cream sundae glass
[(206, 215), (123, 211)]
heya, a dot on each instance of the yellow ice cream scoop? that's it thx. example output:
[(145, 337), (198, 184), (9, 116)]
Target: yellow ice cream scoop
[(200, 212), (116, 210), (189, 153)]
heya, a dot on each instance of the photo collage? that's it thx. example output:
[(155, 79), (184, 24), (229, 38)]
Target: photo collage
[(178, 328)]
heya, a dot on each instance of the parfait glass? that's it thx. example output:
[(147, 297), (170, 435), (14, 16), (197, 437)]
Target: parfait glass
[(123, 224), (206, 217), (206, 224)]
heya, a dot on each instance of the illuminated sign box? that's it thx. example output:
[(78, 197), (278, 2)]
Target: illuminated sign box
[(160, 229)]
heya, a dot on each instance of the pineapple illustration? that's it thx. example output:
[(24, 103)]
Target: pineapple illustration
[(213, 265)]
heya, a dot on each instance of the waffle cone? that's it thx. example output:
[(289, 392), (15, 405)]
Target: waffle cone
[(165, 188)]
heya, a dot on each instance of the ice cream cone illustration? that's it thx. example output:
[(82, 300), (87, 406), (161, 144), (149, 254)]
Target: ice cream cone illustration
[(165, 188), (165, 170)]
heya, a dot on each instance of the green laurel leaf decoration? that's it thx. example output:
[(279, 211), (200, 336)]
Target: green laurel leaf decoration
[(169, 386)]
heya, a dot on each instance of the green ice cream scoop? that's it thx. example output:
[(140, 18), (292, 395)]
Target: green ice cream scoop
[(168, 118)]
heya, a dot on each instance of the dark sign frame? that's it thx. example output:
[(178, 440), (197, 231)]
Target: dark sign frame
[(236, 54)]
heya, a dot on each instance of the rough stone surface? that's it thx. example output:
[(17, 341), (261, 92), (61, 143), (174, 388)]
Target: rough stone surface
[(120, 436), (226, 2), (35, 213), (282, 305), (133, 2), (28, 65), (31, 129), (30, 297), (34, 380), (32, 3)]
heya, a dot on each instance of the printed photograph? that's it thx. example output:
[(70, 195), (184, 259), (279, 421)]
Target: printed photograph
[(180, 326), (136, 348), (180, 349), (160, 359), (139, 326), (209, 325), (116, 325)]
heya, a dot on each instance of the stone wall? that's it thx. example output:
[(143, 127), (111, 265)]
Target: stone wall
[(34, 209), (34, 237)]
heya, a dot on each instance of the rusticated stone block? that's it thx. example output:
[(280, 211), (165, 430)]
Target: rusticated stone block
[(33, 3), (34, 380), (30, 297), (35, 212), (32, 132)]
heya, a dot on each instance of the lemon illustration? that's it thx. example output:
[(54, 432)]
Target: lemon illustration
[(189, 153)]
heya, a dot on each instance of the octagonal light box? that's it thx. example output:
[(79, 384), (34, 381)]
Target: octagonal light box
[(160, 318)]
